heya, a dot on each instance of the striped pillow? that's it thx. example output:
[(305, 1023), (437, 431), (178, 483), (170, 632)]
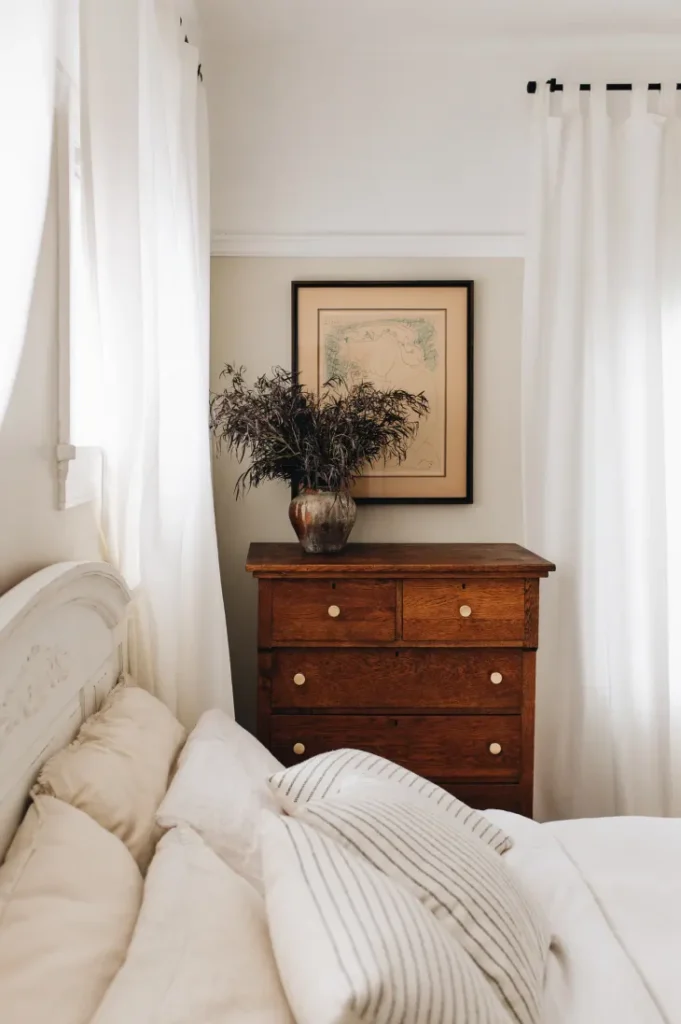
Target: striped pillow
[(465, 885), (353, 946), (321, 776)]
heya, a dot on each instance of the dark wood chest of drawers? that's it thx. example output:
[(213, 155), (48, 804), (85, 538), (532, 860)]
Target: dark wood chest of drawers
[(422, 653)]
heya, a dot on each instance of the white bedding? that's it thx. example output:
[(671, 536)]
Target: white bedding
[(612, 891), (633, 868)]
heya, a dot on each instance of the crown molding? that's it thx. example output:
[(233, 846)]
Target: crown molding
[(371, 246)]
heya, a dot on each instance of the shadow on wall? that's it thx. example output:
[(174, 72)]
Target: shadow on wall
[(250, 325)]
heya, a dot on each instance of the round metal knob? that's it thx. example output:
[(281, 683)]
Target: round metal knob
[(299, 679), (334, 611), (298, 748), (496, 678), (465, 610), (494, 748)]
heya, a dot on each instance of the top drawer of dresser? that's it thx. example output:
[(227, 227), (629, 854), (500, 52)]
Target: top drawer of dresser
[(333, 611), (464, 611)]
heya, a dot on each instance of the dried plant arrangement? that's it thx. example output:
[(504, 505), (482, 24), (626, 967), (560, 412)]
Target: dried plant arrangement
[(315, 442)]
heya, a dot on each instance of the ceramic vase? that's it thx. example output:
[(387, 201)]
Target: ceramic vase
[(322, 520)]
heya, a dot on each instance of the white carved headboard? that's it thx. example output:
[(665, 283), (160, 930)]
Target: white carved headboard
[(62, 648)]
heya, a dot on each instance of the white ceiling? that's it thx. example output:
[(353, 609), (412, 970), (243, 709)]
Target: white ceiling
[(295, 21)]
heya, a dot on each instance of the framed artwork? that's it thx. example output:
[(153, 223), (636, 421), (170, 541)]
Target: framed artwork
[(415, 335)]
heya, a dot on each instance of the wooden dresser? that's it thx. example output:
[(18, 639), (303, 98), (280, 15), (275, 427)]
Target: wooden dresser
[(423, 653)]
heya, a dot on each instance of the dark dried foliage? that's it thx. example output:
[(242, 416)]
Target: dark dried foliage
[(322, 442)]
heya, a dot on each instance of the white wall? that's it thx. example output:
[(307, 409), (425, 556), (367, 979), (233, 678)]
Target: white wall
[(251, 325), (33, 533), (379, 137)]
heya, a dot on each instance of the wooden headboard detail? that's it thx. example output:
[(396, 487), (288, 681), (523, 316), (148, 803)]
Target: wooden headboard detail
[(62, 648)]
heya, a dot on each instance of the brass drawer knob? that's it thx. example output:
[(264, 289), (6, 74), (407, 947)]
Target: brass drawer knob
[(298, 748), (496, 678), (494, 748), (299, 679), (334, 611), (465, 610)]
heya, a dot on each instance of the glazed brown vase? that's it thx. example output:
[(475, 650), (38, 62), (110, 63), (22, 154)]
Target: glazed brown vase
[(322, 520)]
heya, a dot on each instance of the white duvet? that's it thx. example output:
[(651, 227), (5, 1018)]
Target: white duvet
[(612, 891)]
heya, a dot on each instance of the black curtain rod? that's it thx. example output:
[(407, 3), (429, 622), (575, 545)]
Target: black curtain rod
[(611, 87)]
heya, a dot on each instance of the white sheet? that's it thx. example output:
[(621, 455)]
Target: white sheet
[(592, 977), (633, 868)]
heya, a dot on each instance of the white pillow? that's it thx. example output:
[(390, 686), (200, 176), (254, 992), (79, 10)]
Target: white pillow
[(69, 897), (352, 945), (117, 768), (460, 880), (219, 790), (322, 776), (201, 952)]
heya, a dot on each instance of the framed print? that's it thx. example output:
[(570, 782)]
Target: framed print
[(415, 335)]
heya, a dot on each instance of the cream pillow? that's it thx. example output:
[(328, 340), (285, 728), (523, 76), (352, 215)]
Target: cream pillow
[(352, 945), (69, 897), (219, 790), (462, 882), (325, 774), (117, 768), (201, 952)]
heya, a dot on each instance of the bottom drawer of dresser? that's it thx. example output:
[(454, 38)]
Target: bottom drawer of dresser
[(482, 795), (462, 748)]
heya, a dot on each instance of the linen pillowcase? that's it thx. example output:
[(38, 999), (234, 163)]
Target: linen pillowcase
[(117, 768), (323, 775), (201, 951), (69, 897), (352, 945), (219, 790), (463, 883)]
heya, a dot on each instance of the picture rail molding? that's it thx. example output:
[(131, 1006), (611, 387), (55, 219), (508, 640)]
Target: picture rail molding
[(370, 246)]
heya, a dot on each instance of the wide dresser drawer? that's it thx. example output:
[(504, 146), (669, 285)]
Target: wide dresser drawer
[(464, 747), (333, 611), (468, 611), (412, 678)]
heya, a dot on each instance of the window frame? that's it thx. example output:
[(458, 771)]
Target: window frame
[(79, 468)]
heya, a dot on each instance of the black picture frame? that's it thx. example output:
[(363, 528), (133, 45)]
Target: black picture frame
[(469, 287)]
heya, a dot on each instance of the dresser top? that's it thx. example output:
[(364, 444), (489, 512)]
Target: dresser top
[(398, 560)]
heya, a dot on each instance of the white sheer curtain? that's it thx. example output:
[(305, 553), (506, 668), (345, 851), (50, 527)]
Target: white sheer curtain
[(145, 179), (27, 82), (602, 467)]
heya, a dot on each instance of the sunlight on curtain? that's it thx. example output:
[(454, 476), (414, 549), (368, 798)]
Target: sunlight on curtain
[(602, 476), (145, 182), (27, 84)]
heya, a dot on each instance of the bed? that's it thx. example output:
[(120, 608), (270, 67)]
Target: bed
[(610, 889)]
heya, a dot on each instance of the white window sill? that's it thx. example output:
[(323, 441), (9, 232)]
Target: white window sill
[(79, 475)]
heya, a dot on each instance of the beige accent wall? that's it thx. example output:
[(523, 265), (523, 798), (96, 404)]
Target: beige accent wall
[(251, 325), (33, 532)]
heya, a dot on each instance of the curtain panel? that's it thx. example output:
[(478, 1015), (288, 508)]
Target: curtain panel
[(28, 53), (145, 182), (601, 464)]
